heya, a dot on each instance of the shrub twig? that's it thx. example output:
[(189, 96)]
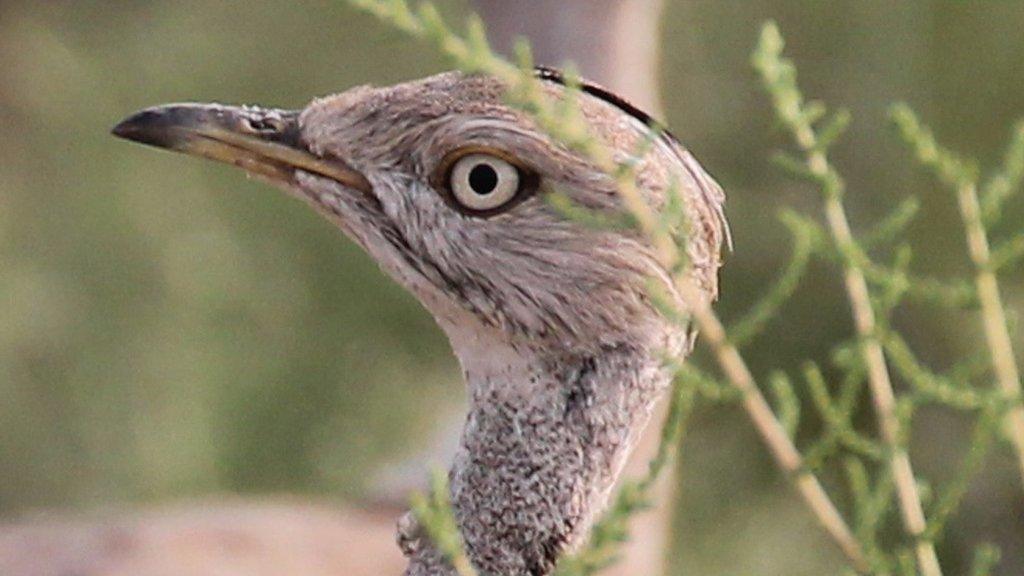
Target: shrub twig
[(779, 77), (434, 514), (957, 174)]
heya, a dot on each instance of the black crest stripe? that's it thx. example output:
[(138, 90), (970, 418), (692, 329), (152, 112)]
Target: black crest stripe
[(602, 93)]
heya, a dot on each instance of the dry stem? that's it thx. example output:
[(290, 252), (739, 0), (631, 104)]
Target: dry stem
[(883, 396), (774, 434), (798, 117), (993, 315), (882, 393)]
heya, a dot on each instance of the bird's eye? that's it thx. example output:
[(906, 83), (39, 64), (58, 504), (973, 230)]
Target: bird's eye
[(482, 183)]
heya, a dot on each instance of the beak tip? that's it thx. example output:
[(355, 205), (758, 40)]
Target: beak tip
[(123, 129), (152, 126)]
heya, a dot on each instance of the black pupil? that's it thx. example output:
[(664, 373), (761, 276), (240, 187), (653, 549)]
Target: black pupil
[(483, 179)]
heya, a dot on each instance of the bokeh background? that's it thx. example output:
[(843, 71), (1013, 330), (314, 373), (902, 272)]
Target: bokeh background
[(169, 330)]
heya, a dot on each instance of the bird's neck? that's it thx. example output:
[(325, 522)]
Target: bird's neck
[(546, 436)]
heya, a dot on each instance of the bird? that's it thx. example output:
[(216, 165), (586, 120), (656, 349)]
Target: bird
[(552, 319)]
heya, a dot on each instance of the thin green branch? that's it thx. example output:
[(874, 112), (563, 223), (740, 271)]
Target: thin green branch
[(1006, 181), (837, 416), (946, 293), (757, 318), (893, 224), (779, 76), (787, 402), (872, 505), (706, 386), (966, 371), (949, 294), (985, 559), (434, 514), (949, 499), (950, 168), (963, 180), (929, 385), (1008, 254)]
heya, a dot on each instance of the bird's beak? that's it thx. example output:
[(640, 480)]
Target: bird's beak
[(263, 142)]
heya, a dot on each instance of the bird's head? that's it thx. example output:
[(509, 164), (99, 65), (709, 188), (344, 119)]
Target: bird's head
[(448, 189)]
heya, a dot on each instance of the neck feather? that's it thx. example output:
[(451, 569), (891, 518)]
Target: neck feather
[(546, 436)]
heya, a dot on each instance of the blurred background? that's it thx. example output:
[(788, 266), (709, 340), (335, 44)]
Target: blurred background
[(171, 331)]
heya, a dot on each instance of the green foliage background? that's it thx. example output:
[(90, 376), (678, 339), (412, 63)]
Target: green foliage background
[(168, 329)]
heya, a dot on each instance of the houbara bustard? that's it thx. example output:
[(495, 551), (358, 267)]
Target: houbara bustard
[(562, 349)]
